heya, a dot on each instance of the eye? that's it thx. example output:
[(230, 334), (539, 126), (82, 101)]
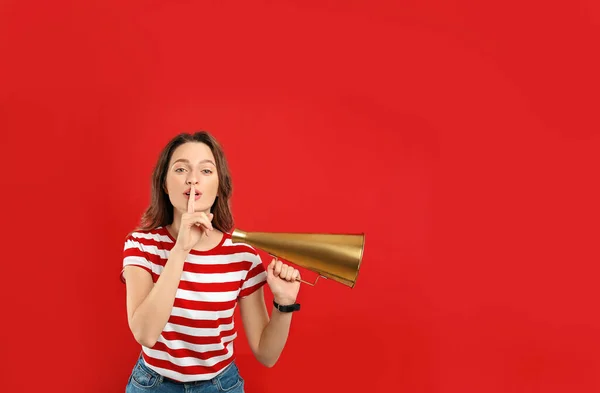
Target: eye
[(179, 170), (207, 171)]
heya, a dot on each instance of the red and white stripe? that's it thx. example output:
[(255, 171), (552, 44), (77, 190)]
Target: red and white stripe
[(197, 341)]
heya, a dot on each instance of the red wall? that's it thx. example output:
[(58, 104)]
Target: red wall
[(463, 139)]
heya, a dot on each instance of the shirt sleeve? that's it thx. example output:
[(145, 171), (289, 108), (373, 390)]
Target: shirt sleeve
[(134, 254), (256, 277)]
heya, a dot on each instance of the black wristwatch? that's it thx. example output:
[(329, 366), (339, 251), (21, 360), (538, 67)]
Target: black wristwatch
[(290, 308)]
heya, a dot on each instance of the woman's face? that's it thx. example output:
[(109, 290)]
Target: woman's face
[(192, 163)]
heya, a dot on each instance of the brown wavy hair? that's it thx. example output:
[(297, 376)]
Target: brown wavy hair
[(160, 211)]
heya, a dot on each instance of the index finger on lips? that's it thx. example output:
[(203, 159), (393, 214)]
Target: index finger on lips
[(191, 200)]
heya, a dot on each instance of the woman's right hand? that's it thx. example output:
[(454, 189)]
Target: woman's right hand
[(193, 225)]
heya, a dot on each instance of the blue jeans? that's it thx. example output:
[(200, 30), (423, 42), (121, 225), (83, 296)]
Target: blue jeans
[(144, 379)]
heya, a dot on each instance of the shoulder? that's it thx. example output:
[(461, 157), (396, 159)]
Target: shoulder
[(243, 251), (237, 246), (159, 234), (149, 237)]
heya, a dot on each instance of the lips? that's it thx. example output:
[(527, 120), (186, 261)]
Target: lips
[(187, 192), (198, 194)]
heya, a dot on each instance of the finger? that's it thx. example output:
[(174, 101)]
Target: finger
[(271, 267), (297, 275), (191, 200), (284, 270), (203, 219), (277, 269), (204, 227), (289, 274)]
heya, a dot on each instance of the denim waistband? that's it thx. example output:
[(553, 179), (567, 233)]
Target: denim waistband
[(173, 381)]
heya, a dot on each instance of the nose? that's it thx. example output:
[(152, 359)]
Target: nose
[(193, 177), (192, 180)]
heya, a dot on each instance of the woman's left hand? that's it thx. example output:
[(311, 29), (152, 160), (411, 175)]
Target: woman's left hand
[(283, 281)]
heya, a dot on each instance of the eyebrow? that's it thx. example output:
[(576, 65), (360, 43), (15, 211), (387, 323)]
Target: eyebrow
[(188, 161)]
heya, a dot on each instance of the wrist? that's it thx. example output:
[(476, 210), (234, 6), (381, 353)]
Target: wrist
[(179, 251), (284, 301)]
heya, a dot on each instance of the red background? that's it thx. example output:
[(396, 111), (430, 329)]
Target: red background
[(462, 138)]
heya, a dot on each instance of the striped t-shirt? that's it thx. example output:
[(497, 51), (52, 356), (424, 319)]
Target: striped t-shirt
[(197, 341)]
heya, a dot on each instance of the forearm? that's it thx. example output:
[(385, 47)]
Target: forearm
[(274, 337), (151, 316)]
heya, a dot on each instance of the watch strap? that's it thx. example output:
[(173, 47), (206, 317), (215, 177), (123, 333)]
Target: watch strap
[(288, 308)]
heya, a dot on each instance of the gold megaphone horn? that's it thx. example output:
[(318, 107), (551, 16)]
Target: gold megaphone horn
[(333, 256)]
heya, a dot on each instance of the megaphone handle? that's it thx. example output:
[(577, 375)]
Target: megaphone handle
[(309, 283)]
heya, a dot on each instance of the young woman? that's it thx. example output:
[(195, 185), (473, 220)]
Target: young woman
[(185, 277)]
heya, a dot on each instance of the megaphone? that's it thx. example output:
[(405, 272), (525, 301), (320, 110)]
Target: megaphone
[(333, 256)]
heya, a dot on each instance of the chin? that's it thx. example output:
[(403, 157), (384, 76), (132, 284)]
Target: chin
[(183, 209)]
